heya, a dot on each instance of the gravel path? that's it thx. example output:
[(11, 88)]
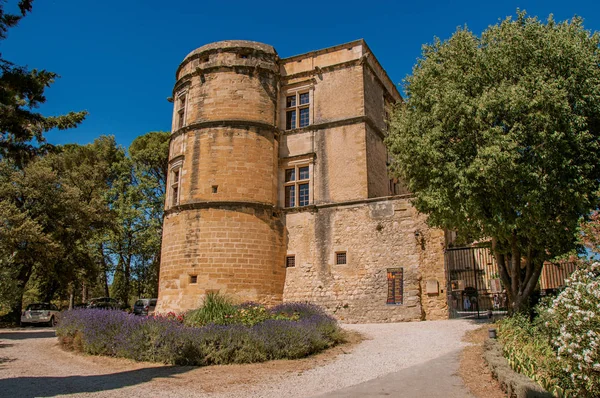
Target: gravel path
[(392, 356)]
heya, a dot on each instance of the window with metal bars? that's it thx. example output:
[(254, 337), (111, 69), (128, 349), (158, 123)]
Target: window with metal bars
[(340, 258), (290, 261)]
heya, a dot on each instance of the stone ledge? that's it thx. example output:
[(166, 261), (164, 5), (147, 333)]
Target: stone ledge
[(259, 127), (223, 204), (316, 207), (513, 383)]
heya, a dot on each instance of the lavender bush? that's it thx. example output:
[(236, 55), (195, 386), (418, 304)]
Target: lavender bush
[(294, 330)]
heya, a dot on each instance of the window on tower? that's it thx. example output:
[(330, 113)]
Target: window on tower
[(175, 177), (181, 102)]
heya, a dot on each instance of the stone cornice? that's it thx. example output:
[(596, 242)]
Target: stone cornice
[(224, 204), (309, 155), (227, 123), (234, 46), (219, 67), (318, 70), (338, 123), (315, 208)]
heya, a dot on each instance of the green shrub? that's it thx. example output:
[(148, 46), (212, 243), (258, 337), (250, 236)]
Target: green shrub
[(249, 336), (561, 348), (529, 351), (573, 320), (216, 308)]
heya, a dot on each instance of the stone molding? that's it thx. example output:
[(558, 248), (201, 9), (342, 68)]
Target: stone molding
[(315, 207), (218, 67), (196, 126), (223, 204), (338, 123)]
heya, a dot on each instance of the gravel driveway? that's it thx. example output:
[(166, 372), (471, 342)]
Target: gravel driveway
[(400, 359)]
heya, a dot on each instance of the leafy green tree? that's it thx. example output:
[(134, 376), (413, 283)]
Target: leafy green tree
[(137, 200), (21, 92), (499, 139), (150, 156), (590, 233), (51, 211)]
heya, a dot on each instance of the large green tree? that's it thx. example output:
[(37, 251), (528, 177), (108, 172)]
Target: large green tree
[(499, 139), (132, 245), (51, 212), (21, 93)]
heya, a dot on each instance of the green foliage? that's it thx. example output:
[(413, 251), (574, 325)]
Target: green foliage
[(51, 211), (529, 351), (499, 138), (560, 349), (131, 247), (216, 308), (573, 322), (219, 309), (21, 92), (590, 233), (166, 339)]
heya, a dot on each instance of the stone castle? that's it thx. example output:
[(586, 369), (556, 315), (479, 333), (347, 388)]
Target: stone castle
[(278, 188)]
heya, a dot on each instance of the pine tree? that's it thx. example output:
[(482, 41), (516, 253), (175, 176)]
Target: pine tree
[(21, 92)]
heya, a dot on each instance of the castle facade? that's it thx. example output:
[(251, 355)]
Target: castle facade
[(278, 188)]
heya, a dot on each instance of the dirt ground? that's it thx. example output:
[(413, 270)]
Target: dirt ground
[(29, 354), (32, 364), (473, 369), (222, 378)]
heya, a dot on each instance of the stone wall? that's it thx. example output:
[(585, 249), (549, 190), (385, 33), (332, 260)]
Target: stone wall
[(240, 162), (225, 229), (221, 230), (377, 172), (376, 235), (234, 250)]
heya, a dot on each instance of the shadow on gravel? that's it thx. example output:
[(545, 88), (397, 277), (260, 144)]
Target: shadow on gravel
[(25, 334), (30, 387), (6, 359)]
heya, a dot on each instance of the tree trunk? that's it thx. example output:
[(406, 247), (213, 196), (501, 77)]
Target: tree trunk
[(16, 307), (519, 282), (104, 268)]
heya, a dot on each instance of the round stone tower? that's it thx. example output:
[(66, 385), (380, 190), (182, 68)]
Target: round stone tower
[(222, 231)]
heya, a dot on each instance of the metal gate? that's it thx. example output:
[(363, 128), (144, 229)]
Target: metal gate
[(474, 287)]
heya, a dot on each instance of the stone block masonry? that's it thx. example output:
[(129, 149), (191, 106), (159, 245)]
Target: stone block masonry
[(278, 188), (375, 235)]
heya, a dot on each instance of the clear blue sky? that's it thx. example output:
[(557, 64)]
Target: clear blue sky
[(117, 59)]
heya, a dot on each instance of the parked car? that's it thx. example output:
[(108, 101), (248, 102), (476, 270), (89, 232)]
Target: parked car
[(40, 313), (106, 303), (145, 306)]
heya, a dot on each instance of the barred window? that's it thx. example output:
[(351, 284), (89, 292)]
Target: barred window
[(395, 281), (340, 258), (290, 261)]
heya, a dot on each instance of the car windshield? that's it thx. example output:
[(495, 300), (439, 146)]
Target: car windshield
[(139, 302), (36, 307)]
